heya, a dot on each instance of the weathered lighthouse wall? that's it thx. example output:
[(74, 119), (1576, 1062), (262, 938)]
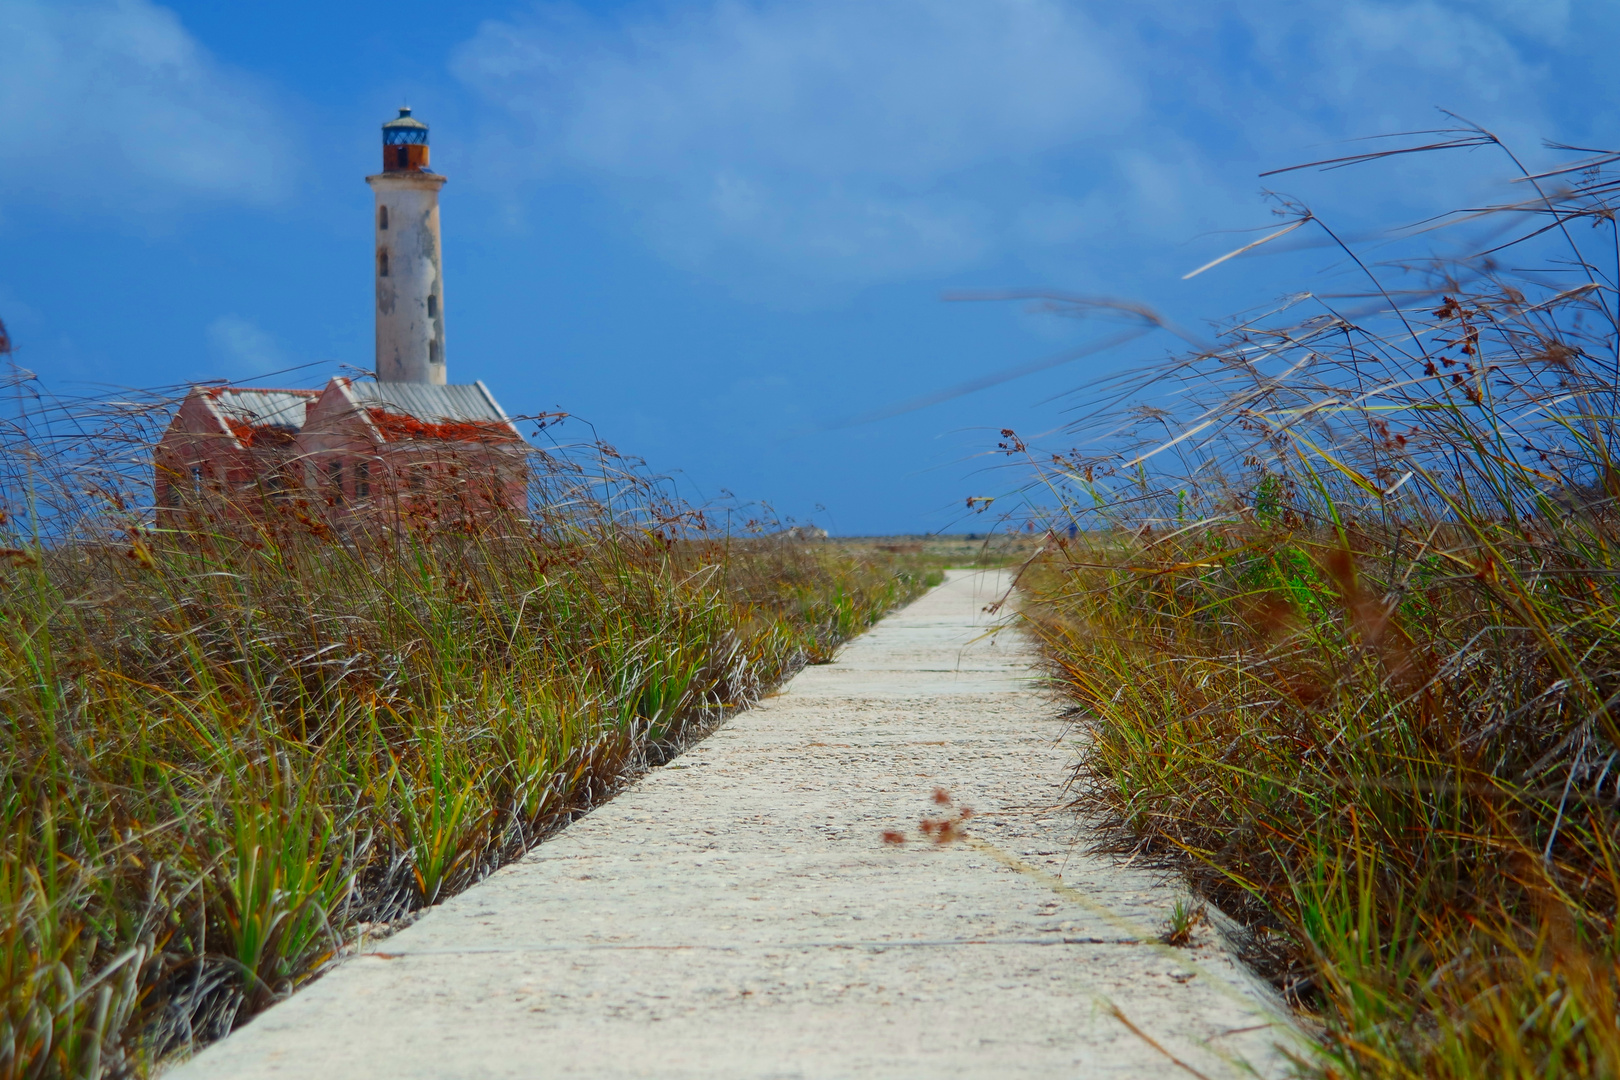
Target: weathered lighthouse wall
[(410, 279)]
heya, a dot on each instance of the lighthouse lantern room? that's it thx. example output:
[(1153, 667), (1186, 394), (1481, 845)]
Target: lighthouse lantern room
[(410, 279)]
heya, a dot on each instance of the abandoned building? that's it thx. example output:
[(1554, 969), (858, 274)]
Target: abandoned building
[(230, 439), (404, 444), (412, 448)]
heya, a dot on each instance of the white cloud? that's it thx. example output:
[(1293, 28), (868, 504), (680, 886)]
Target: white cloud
[(242, 347), (1368, 54), (856, 141), (1544, 19), (806, 132), (111, 105)]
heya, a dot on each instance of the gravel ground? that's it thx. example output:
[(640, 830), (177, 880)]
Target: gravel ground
[(739, 912)]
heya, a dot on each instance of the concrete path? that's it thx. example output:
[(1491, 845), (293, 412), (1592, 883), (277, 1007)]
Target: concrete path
[(738, 913)]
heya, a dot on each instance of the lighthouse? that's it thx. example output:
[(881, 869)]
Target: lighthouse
[(410, 279), (366, 453)]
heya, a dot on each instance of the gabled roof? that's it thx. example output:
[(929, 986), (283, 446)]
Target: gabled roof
[(469, 403), (249, 416), (283, 409), (402, 411)]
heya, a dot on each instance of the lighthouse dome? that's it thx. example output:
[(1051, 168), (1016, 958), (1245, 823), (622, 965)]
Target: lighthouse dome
[(404, 129), (405, 143)]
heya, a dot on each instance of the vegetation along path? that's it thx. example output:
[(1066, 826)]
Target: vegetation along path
[(750, 909)]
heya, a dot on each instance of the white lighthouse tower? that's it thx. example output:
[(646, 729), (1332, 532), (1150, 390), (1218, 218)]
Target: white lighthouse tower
[(410, 281)]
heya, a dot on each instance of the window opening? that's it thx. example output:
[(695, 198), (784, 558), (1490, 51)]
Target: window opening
[(382, 217), (362, 479), (433, 353), (334, 473), (433, 306), (402, 157), (382, 263)]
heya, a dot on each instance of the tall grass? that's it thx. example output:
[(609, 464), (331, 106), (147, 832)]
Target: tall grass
[(1343, 617), (232, 747)]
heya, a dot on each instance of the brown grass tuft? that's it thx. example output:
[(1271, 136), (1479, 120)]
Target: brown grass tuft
[(1347, 647)]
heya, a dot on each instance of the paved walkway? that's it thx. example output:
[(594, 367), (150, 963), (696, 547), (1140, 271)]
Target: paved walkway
[(738, 913)]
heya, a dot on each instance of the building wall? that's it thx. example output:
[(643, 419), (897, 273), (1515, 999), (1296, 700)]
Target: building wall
[(201, 466), (410, 279), (359, 476)]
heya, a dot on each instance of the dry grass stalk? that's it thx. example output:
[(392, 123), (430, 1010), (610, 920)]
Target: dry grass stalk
[(1344, 621)]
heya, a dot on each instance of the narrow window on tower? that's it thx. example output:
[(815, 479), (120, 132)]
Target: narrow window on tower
[(382, 263), (433, 353), (433, 306), (402, 157), (382, 217)]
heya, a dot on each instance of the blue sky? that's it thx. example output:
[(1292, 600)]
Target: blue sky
[(721, 230)]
